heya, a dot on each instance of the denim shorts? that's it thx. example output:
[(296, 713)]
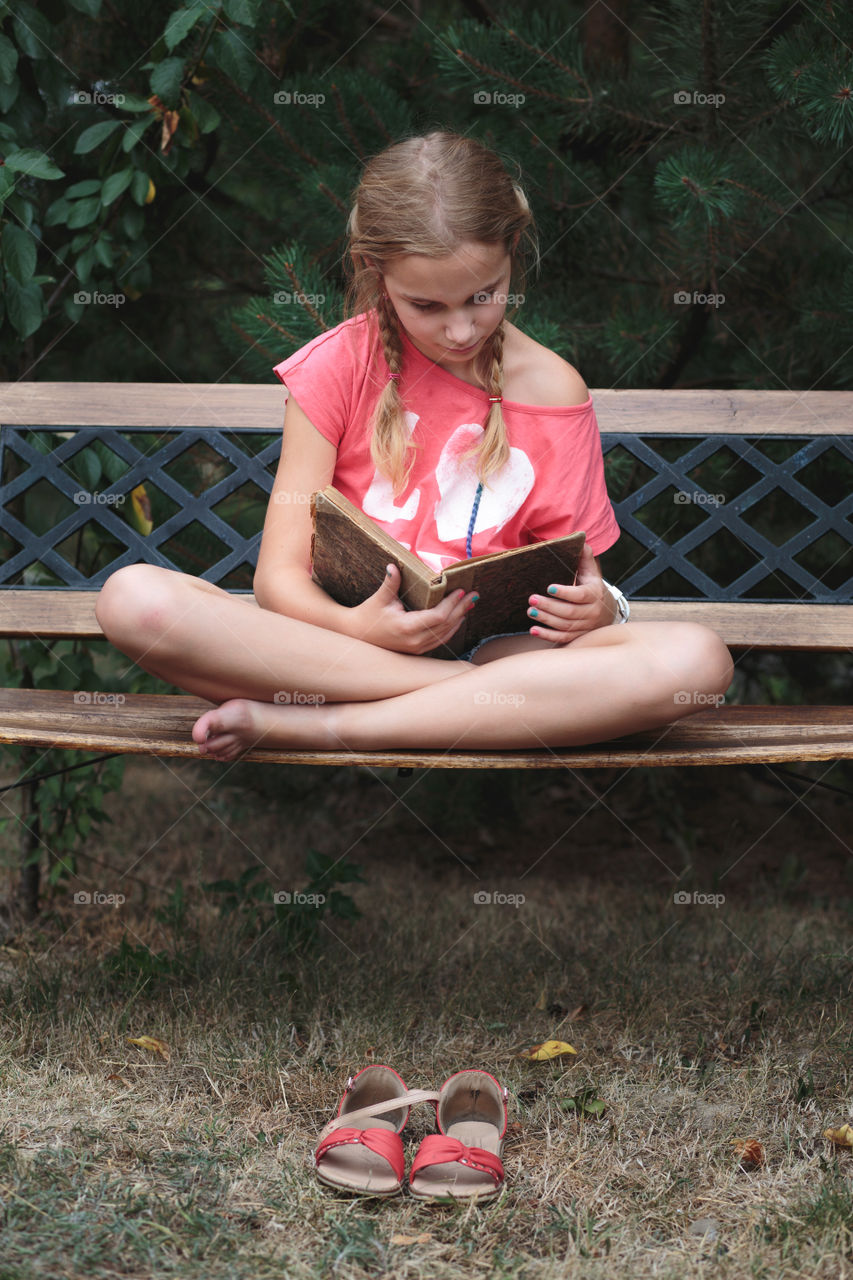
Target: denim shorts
[(501, 635)]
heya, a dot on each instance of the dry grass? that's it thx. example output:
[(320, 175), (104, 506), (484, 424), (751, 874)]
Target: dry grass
[(695, 1024)]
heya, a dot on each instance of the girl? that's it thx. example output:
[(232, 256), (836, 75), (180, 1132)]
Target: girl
[(460, 435)]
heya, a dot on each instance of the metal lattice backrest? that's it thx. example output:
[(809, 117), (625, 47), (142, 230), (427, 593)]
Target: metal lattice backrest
[(703, 517), (202, 491), (733, 517)]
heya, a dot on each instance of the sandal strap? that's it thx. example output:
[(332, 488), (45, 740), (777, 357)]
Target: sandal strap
[(383, 1142), (402, 1102), (438, 1149)]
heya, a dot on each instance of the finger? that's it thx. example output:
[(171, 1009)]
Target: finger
[(453, 606), (557, 635), (561, 616), (386, 592), (562, 594), (588, 570)]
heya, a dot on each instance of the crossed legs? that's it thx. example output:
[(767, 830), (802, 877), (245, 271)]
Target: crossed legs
[(282, 682)]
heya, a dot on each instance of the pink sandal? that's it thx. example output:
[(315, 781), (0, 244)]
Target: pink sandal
[(360, 1152), (462, 1161)]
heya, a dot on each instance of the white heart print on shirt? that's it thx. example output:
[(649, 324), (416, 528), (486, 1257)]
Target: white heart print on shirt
[(457, 484), (378, 502)]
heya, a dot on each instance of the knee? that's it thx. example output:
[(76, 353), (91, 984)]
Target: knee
[(697, 661), (135, 603)]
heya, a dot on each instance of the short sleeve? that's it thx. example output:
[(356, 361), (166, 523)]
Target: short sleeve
[(320, 377), (578, 496)]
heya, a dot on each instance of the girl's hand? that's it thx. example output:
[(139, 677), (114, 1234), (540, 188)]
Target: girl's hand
[(564, 613), (383, 620)]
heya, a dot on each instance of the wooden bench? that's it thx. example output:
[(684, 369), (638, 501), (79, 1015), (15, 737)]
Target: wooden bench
[(668, 441)]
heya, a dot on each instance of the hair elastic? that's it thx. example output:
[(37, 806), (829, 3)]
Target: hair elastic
[(393, 377), (495, 399)]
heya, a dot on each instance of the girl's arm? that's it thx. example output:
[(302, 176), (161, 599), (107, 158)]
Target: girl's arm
[(283, 583), (282, 580)]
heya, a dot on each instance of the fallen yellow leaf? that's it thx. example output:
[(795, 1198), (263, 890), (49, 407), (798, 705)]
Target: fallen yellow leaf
[(548, 1049), (842, 1137), (153, 1045), (421, 1239), (125, 1084)]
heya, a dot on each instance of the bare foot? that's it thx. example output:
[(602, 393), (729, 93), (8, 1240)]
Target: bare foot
[(240, 724)]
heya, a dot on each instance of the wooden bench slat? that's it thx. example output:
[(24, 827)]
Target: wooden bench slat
[(232, 406), (780, 627), (157, 724), (238, 406)]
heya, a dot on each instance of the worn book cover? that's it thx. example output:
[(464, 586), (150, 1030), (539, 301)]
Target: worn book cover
[(349, 552)]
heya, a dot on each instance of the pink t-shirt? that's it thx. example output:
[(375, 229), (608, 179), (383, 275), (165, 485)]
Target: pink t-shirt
[(552, 485)]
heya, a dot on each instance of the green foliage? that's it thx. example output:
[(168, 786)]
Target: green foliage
[(296, 914), (66, 808), (704, 157)]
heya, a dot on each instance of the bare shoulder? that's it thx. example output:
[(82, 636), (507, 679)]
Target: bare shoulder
[(535, 375)]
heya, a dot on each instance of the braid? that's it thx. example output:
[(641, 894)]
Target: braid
[(389, 441), (493, 450)]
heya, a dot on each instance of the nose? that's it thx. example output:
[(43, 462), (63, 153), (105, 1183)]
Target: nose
[(459, 329)]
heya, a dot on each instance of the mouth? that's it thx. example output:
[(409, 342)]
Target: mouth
[(461, 351)]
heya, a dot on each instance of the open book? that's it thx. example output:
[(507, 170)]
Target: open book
[(349, 553)]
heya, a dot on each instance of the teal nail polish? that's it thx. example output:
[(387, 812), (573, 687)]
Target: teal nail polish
[(534, 613), (552, 591)]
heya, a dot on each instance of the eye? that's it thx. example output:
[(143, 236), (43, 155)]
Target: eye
[(423, 306)]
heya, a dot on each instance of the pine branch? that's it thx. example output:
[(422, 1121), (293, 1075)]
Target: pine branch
[(545, 55), (255, 343), (528, 90), (346, 124), (759, 195), (266, 115)]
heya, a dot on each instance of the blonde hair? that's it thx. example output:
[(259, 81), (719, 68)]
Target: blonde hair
[(429, 195)]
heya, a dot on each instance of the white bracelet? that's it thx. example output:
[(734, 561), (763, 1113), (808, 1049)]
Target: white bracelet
[(622, 605)]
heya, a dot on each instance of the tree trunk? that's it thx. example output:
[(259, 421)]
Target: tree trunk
[(607, 34)]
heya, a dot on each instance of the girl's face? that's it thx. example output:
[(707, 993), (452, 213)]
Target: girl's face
[(450, 306)]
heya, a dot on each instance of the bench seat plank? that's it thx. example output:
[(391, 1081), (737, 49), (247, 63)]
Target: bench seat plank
[(235, 406), (159, 724), (56, 614)]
